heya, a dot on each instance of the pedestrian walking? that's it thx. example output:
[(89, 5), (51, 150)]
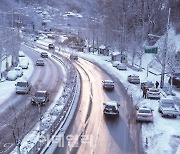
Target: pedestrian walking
[(144, 92), (157, 84)]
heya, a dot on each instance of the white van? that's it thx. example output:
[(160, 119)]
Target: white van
[(23, 87)]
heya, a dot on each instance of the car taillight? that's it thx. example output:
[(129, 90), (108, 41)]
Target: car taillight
[(149, 115), (138, 114)]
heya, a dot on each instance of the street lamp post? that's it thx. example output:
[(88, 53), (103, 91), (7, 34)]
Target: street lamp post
[(164, 52)]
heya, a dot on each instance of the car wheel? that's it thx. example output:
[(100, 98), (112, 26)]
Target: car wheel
[(159, 110), (162, 115), (174, 116)]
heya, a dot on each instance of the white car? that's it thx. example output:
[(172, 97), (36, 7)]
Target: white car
[(19, 71), (144, 114), (121, 66), (21, 54), (116, 63), (111, 108), (24, 63), (153, 93), (11, 75)]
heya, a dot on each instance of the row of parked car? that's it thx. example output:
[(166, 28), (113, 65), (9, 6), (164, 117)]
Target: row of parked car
[(18, 71), (119, 65)]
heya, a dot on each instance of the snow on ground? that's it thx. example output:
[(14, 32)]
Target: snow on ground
[(163, 134), (8, 87)]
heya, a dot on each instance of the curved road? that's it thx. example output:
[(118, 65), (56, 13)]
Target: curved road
[(90, 131), (17, 110)]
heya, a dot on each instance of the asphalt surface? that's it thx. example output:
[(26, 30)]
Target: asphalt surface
[(17, 115), (90, 131)]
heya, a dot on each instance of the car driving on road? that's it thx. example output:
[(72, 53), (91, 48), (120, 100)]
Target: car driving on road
[(111, 108), (44, 55), (39, 62), (108, 84), (167, 108), (23, 87), (144, 114), (40, 98)]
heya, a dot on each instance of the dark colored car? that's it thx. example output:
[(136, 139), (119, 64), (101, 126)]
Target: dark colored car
[(73, 57), (40, 62), (108, 84), (40, 98), (44, 55), (111, 108), (51, 46), (175, 80), (147, 84)]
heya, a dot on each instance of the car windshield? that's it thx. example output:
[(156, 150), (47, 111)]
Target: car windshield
[(39, 94), (108, 82), (168, 105), (110, 107), (149, 84), (154, 90), (21, 84), (144, 111), (167, 101)]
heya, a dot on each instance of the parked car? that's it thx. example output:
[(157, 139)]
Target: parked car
[(175, 80), (111, 108), (121, 66), (44, 55), (147, 84), (115, 63), (73, 57), (19, 71), (108, 84), (153, 93), (24, 63), (51, 46), (39, 62), (144, 114), (23, 87), (167, 108), (134, 79), (12, 75), (21, 54), (40, 98)]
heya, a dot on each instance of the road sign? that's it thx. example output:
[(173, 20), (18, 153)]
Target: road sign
[(151, 50)]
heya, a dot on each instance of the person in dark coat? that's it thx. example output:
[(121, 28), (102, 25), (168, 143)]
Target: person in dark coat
[(157, 84), (144, 92)]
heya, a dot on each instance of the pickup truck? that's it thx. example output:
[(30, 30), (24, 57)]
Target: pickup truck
[(167, 108)]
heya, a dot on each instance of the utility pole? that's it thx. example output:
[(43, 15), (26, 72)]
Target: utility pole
[(165, 52)]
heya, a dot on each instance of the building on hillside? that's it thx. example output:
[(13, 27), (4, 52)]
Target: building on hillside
[(103, 50)]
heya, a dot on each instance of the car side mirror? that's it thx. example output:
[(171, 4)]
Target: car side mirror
[(104, 103), (102, 81), (152, 110), (119, 105)]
